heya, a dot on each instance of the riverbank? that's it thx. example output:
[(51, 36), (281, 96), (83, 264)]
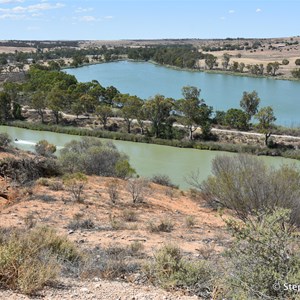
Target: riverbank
[(229, 146)]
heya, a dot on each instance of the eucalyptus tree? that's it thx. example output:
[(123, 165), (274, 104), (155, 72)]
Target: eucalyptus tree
[(194, 111), (158, 110), (266, 119)]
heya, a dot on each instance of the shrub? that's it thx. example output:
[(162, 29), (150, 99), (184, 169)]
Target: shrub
[(163, 226), (44, 148), (297, 62), (112, 190), (5, 140), (169, 269), (285, 62), (90, 156), (129, 215), (244, 183), (265, 255), (162, 180), (138, 189), (29, 260), (78, 223), (190, 221), (75, 184), (25, 170)]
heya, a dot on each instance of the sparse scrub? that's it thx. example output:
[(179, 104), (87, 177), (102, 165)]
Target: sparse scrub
[(265, 254), (115, 223), (163, 180), (30, 221), (138, 189), (112, 190), (78, 222), (129, 215), (165, 225), (5, 140), (244, 184), (75, 184), (170, 270), (44, 148), (29, 260), (190, 221)]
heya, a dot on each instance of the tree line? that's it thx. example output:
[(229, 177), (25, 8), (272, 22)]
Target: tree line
[(50, 90)]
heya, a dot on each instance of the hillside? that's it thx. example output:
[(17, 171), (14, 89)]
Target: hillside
[(98, 225)]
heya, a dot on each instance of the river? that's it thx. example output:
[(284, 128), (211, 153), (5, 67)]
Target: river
[(147, 159), (218, 90)]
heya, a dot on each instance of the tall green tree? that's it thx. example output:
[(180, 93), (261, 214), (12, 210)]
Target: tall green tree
[(55, 102), (131, 106), (194, 111), (236, 118), (266, 119), (157, 110), (5, 106), (38, 102), (210, 61), (249, 103), (104, 112)]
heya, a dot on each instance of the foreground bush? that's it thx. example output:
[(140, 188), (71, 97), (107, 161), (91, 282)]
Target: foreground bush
[(244, 183), (32, 259), (170, 270), (264, 257)]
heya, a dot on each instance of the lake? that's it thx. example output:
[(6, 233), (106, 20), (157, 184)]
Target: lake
[(218, 90), (147, 159)]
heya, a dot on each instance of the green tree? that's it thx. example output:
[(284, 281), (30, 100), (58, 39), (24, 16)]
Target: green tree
[(249, 103), (296, 73), (5, 106), (55, 102), (194, 110), (226, 59), (266, 120), (38, 102), (77, 108), (236, 118), (104, 112), (131, 106), (157, 110), (297, 62), (273, 67), (210, 61)]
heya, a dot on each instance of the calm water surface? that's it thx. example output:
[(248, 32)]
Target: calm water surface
[(147, 159), (221, 91)]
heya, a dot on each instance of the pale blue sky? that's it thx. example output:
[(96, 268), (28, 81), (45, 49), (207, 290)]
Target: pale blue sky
[(147, 19)]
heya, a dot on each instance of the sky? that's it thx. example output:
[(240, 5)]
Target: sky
[(147, 19)]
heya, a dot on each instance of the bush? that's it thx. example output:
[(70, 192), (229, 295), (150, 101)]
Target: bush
[(138, 189), (244, 183), (162, 180), (75, 184), (5, 140), (163, 226), (90, 156), (169, 270), (32, 259), (297, 62), (44, 148), (264, 257), (285, 62)]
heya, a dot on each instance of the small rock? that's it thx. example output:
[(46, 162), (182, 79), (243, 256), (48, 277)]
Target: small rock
[(70, 231), (85, 290)]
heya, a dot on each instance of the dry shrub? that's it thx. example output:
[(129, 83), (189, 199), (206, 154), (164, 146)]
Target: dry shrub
[(31, 259)]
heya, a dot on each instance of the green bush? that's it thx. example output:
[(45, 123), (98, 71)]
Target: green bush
[(263, 257), (92, 157), (170, 270), (244, 184), (32, 259), (5, 140)]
